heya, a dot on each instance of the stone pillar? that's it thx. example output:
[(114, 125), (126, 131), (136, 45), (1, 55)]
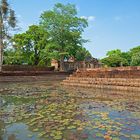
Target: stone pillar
[(55, 63)]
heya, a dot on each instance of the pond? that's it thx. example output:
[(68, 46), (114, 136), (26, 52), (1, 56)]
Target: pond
[(47, 111)]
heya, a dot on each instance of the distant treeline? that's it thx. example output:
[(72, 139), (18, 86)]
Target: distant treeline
[(116, 58)]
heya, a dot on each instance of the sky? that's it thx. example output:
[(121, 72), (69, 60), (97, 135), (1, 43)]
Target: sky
[(113, 24)]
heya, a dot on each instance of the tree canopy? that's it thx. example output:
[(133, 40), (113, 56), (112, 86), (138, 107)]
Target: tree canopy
[(118, 58), (64, 28), (58, 35), (31, 44), (135, 56)]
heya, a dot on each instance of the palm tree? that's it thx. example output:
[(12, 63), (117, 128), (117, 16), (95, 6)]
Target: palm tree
[(7, 22)]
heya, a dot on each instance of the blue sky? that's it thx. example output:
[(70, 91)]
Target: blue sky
[(112, 23)]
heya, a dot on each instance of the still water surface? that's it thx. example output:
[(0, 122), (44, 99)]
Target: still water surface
[(41, 110)]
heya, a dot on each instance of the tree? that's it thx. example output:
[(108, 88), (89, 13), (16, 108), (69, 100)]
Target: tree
[(126, 56), (135, 59), (135, 50), (116, 52), (31, 44), (7, 21), (82, 53), (116, 58), (114, 61), (135, 56), (64, 29), (13, 56), (58, 35)]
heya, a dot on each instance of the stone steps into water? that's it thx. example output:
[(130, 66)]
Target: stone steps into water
[(104, 81), (110, 87), (126, 79), (119, 72)]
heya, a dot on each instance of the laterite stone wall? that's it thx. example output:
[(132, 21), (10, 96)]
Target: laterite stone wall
[(122, 78), (119, 72)]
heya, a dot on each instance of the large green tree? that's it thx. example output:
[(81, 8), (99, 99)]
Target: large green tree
[(31, 44), (7, 21), (59, 35), (65, 29)]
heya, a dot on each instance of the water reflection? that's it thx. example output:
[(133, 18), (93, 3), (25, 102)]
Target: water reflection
[(19, 131)]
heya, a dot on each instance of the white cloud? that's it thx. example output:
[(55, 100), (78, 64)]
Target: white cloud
[(89, 18)]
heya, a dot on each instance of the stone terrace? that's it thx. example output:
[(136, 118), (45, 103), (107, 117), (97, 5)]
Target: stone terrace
[(122, 78)]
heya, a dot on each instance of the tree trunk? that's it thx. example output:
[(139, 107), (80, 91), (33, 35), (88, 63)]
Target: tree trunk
[(36, 57), (61, 64), (1, 41), (1, 54)]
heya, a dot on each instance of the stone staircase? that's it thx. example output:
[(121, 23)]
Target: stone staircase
[(99, 79)]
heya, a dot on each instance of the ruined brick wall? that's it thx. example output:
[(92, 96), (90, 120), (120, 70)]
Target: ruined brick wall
[(121, 78), (69, 66), (119, 72), (26, 68)]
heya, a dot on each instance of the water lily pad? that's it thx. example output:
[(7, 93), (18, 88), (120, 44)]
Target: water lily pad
[(71, 127), (30, 135), (58, 137)]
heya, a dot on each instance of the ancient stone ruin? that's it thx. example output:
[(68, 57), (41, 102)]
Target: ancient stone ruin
[(121, 78), (71, 64)]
